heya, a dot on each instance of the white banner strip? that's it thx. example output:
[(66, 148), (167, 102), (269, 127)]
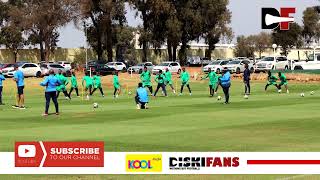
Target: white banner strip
[(184, 163)]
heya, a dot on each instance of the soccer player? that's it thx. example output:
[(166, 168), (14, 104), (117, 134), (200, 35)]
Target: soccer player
[(18, 77), (212, 81), (2, 78), (168, 79), (97, 83), (160, 79), (283, 82), (146, 79), (225, 83), (272, 80), (74, 84), (88, 84), (116, 84), (246, 80), (185, 77), (62, 88), (141, 97), (51, 83)]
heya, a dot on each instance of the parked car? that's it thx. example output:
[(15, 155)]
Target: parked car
[(216, 66), (174, 67), (119, 66), (28, 69), (65, 64), (193, 60), (2, 66), (272, 63), (205, 61), (139, 67), (103, 69), (45, 68), (7, 69), (237, 66), (312, 63)]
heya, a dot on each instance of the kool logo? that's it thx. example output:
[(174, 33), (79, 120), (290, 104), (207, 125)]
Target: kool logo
[(136, 164), (144, 163)]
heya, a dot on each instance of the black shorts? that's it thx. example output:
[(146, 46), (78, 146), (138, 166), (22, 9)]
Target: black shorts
[(20, 90)]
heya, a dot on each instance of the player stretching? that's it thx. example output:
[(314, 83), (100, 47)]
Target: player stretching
[(141, 97), (168, 79), (74, 84), (212, 81), (185, 77), (1, 87), (88, 86), (272, 80), (97, 83), (283, 82), (62, 88), (160, 78), (146, 79), (116, 85)]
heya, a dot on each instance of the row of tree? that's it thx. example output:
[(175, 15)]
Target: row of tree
[(170, 22), (296, 37)]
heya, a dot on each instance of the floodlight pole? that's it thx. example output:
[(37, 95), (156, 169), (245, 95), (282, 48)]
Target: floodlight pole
[(86, 44)]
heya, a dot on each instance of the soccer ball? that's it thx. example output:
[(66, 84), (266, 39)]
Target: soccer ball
[(219, 98), (129, 92), (246, 97), (95, 105), (312, 93), (302, 94)]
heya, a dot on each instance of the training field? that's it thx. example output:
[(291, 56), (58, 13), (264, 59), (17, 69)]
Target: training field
[(265, 122)]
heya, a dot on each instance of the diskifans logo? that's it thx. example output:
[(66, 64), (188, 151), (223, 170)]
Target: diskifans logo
[(59, 154), (144, 163), (271, 18), (195, 163)]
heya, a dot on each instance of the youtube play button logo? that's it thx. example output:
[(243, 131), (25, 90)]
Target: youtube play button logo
[(27, 151)]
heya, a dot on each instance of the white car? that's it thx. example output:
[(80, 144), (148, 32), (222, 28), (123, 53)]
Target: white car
[(29, 70), (119, 66), (216, 66), (174, 67), (272, 63), (65, 64), (237, 66), (7, 69), (309, 64)]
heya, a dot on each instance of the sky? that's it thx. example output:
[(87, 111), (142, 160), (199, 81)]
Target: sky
[(246, 19)]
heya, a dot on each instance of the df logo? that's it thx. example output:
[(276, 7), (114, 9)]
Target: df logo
[(272, 18), (144, 163)]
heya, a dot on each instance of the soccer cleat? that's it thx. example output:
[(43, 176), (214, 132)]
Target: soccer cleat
[(22, 107), (146, 106), (174, 91), (180, 94), (287, 91), (88, 98), (102, 95), (138, 106), (57, 114), (45, 114), (279, 91), (117, 96), (190, 94), (15, 106)]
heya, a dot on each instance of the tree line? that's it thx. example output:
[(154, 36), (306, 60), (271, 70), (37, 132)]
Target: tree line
[(171, 22), (296, 37)]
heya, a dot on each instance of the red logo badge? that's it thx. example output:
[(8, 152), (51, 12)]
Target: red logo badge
[(59, 154)]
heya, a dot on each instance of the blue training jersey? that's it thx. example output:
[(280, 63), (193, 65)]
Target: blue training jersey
[(142, 95), (19, 77), (51, 82)]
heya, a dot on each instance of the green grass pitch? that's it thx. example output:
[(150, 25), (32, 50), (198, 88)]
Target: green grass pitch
[(264, 122)]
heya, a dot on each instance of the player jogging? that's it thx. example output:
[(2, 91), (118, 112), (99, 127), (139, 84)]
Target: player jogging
[(2, 78), (283, 82), (51, 82), (18, 77), (146, 79), (74, 84), (141, 97), (185, 77), (272, 80), (160, 79), (97, 83), (212, 81), (88, 84), (116, 85), (62, 88), (246, 80), (168, 80)]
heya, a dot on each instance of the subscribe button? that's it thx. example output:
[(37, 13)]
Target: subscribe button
[(59, 154)]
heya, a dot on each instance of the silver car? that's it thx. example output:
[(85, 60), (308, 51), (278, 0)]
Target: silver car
[(45, 68), (139, 67)]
